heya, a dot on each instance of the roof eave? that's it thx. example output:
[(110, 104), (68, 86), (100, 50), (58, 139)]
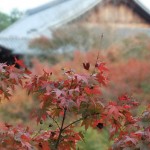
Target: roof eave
[(143, 10)]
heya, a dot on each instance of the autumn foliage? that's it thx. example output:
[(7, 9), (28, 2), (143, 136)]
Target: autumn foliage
[(73, 100)]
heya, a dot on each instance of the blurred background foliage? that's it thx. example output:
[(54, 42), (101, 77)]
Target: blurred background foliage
[(79, 37), (8, 19), (95, 140)]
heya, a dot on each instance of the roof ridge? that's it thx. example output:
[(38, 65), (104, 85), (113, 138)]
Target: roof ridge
[(44, 7), (142, 6), (66, 20)]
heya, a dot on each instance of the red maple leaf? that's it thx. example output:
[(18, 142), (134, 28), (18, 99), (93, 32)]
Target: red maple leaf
[(45, 146), (130, 140), (102, 79), (124, 97), (19, 62), (86, 66), (101, 67), (92, 90), (114, 110), (8, 125)]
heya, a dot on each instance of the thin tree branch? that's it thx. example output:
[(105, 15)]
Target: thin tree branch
[(55, 122), (61, 129), (62, 124), (37, 133), (79, 120), (97, 56), (73, 123)]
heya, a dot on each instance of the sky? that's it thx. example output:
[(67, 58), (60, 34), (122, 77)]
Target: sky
[(7, 5)]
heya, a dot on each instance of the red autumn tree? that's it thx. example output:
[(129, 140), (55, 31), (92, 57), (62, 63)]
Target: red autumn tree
[(73, 100)]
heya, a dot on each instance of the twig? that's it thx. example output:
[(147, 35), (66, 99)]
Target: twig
[(97, 56), (37, 133), (61, 129), (55, 122), (79, 120), (73, 123)]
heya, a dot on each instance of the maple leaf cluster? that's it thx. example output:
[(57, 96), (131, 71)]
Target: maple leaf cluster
[(70, 101), (10, 77)]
